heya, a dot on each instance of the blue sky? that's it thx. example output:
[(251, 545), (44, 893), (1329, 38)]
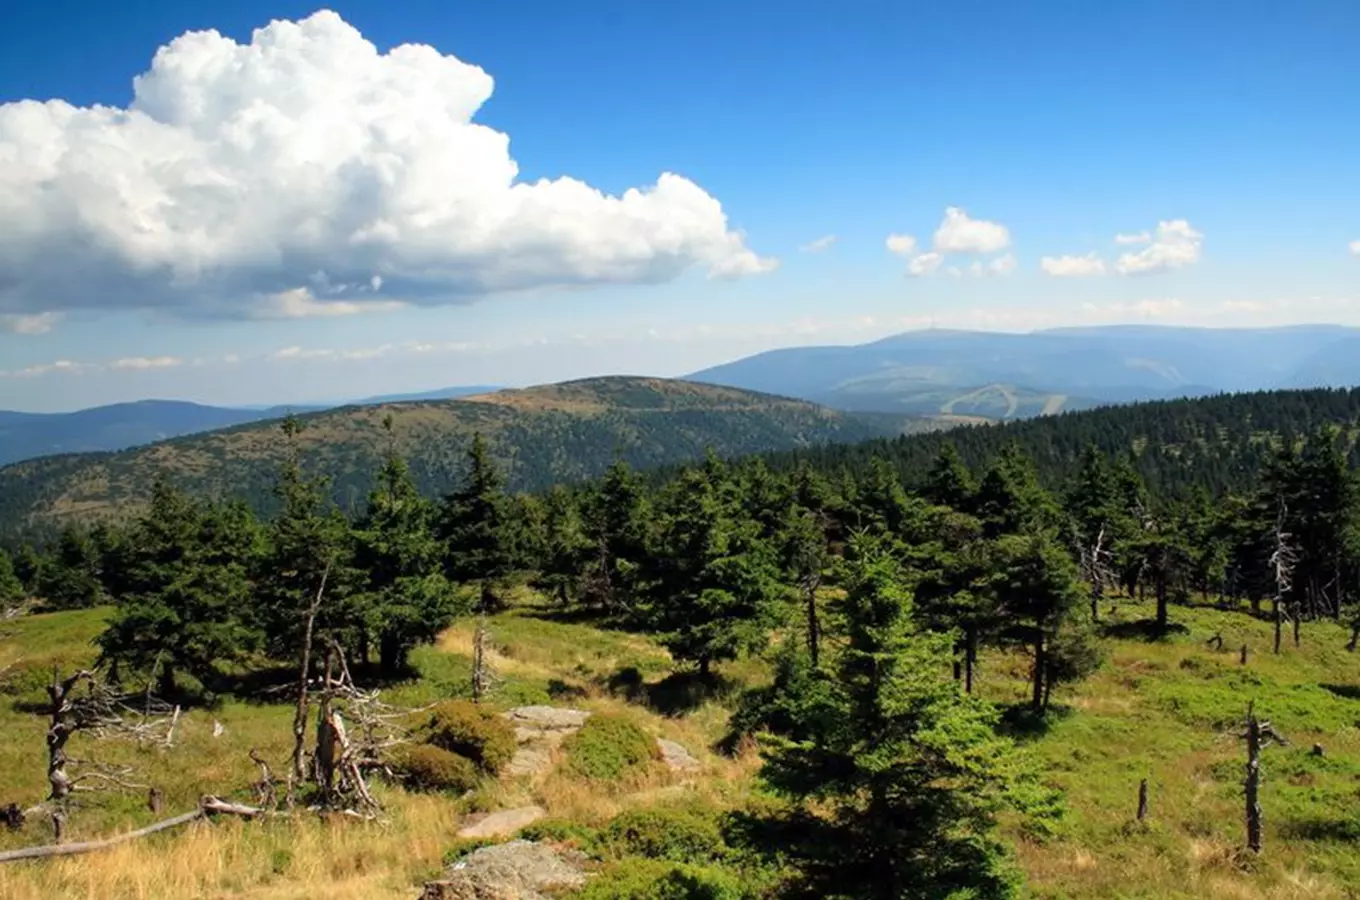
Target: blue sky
[(305, 219)]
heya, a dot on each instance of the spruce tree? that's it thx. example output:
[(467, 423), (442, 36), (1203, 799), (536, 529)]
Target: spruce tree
[(186, 592), (12, 590), (614, 523), (566, 548), (1036, 586), (309, 548), (70, 576), (474, 525), (912, 767), (949, 483), (406, 598), (712, 582)]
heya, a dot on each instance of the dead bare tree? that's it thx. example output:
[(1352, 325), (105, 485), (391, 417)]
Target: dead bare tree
[(1282, 560), (1093, 560), (298, 775), (1258, 735)]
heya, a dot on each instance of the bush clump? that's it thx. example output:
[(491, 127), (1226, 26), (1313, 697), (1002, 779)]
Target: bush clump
[(607, 747), (426, 767), (637, 879), (665, 834), (473, 732)]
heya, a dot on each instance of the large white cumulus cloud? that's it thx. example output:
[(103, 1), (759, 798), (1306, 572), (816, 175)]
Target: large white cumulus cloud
[(308, 158)]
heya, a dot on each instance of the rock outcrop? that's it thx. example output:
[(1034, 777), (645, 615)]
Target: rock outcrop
[(519, 870)]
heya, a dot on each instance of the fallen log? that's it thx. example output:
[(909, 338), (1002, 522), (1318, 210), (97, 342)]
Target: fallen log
[(91, 846), (208, 806)]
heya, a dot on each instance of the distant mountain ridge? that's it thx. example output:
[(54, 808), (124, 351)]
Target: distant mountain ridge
[(544, 435), (1017, 375), (118, 426)]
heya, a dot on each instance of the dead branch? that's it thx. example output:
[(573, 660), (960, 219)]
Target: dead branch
[(299, 773), (208, 806)]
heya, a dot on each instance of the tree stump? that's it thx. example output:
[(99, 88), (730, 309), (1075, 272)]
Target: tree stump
[(1142, 799), (1244, 654), (155, 799)]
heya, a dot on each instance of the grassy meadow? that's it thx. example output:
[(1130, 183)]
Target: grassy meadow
[(1169, 711)]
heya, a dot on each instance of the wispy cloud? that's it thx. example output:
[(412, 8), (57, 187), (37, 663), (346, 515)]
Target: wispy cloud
[(34, 323), (822, 243), (146, 362), (1174, 246), (1072, 266), (1136, 237), (301, 303)]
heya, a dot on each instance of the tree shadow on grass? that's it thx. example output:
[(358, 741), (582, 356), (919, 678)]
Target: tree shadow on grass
[(577, 615), (1321, 829), (1346, 691), (675, 695), (1142, 630), (1022, 722)]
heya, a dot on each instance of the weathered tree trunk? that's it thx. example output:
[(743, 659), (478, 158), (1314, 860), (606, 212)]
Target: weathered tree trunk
[(1040, 670), (969, 659), (1162, 617), (1142, 799), (1253, 782), (814, 626), (1244, 654), (300, 714), (1298, 615), (391, 654), (1279, 622)]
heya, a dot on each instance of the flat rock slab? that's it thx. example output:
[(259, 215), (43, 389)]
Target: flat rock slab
[(503, 823), (676, 757), (540, 730), (530, 760), (519, 870), (546, 718)]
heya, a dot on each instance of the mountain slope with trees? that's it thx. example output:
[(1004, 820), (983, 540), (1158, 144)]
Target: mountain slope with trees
[(551, 434)]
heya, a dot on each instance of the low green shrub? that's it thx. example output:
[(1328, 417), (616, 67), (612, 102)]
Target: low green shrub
[(472, 732), (561, 831), (607, 747), (667, 834), (426, 767), (637, 879)]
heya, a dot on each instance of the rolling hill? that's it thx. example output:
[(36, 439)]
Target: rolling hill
[(999, 375), (118, 426), (543, 435), (114, 427)]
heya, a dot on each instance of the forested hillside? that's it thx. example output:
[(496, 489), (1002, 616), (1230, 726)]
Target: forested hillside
[(1215, 444), (1003, 664), (542, 436)]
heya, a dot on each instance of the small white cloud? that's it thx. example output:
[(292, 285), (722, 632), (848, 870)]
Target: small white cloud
[(925, 264), (1073, 266), (1355, 248), (740, 263), (901, 244), (1175, 246), (67, 366), (146, 362), (958, 233), (296, 353), (822, 243), (35, 323), (1005, 264), (1137, 237), (301, 303)]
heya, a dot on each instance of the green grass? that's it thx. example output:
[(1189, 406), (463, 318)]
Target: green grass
[(1169, 711)]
